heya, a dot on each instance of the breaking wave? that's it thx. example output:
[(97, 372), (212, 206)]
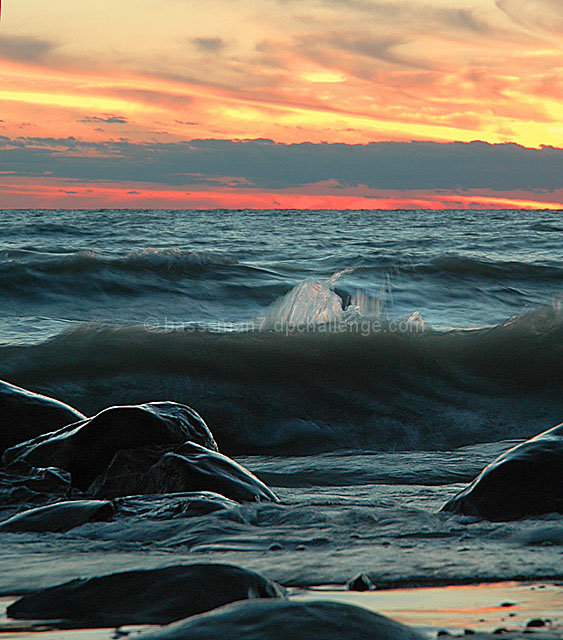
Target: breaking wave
[(34, 274), (30, 272), (390, 387)]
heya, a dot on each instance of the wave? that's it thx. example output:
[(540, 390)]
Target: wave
[(450, 264), (157, 260), (373, 386), (465, 266), (35, 275), (28, 272)]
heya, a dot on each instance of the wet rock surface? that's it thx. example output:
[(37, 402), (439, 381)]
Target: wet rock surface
[(522, 482), (361, 582), (87, 447), (25, 415), (58, 517), (126, 471), (283, 620), (187, 468), (194, 468), (157, 596)]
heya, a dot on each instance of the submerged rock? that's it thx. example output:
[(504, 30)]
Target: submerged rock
[(59, 517), (155, 596), (194, 468), (285, 620), (524, 481), (86, 448), (25, 415), (22, 483), (173, 505)]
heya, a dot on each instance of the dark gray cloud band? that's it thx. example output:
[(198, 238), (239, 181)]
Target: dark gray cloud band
[(269, 165), (25, 48)]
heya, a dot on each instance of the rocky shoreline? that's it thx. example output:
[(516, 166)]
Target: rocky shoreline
[(160, 462)]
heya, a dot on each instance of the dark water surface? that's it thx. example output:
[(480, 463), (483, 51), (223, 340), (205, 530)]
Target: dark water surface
[(294, 331)]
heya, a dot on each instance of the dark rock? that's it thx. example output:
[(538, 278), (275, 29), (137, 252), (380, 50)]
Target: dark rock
[(524, 481), (286, 620), (58, 517), (535, 623), (25, 415), (194, 468), (156, 596), (86, 448), (361, 582), (189, 468), (125, 472)]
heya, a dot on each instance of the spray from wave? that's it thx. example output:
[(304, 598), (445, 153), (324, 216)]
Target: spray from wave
[(313, 305)]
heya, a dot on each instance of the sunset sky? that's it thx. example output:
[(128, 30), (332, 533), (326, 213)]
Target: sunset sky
[(187, 104)]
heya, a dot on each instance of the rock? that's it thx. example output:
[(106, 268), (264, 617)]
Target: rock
[(188, 468), (194, 468), (524, 481), (25, 415), (535, 623), (286, 620), (125, 472), (155, 596), (58, 517), (361, 582), (86, 448)]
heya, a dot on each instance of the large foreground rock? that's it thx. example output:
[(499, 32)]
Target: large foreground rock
[(283, 620), (87, 447), (58, 517), (25, 415), (156, 596), (525, 481)]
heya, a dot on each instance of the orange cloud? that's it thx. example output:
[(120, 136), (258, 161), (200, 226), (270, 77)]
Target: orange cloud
[(308, 102)]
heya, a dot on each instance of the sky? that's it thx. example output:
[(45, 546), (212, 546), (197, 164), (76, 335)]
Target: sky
[(281, 103)]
